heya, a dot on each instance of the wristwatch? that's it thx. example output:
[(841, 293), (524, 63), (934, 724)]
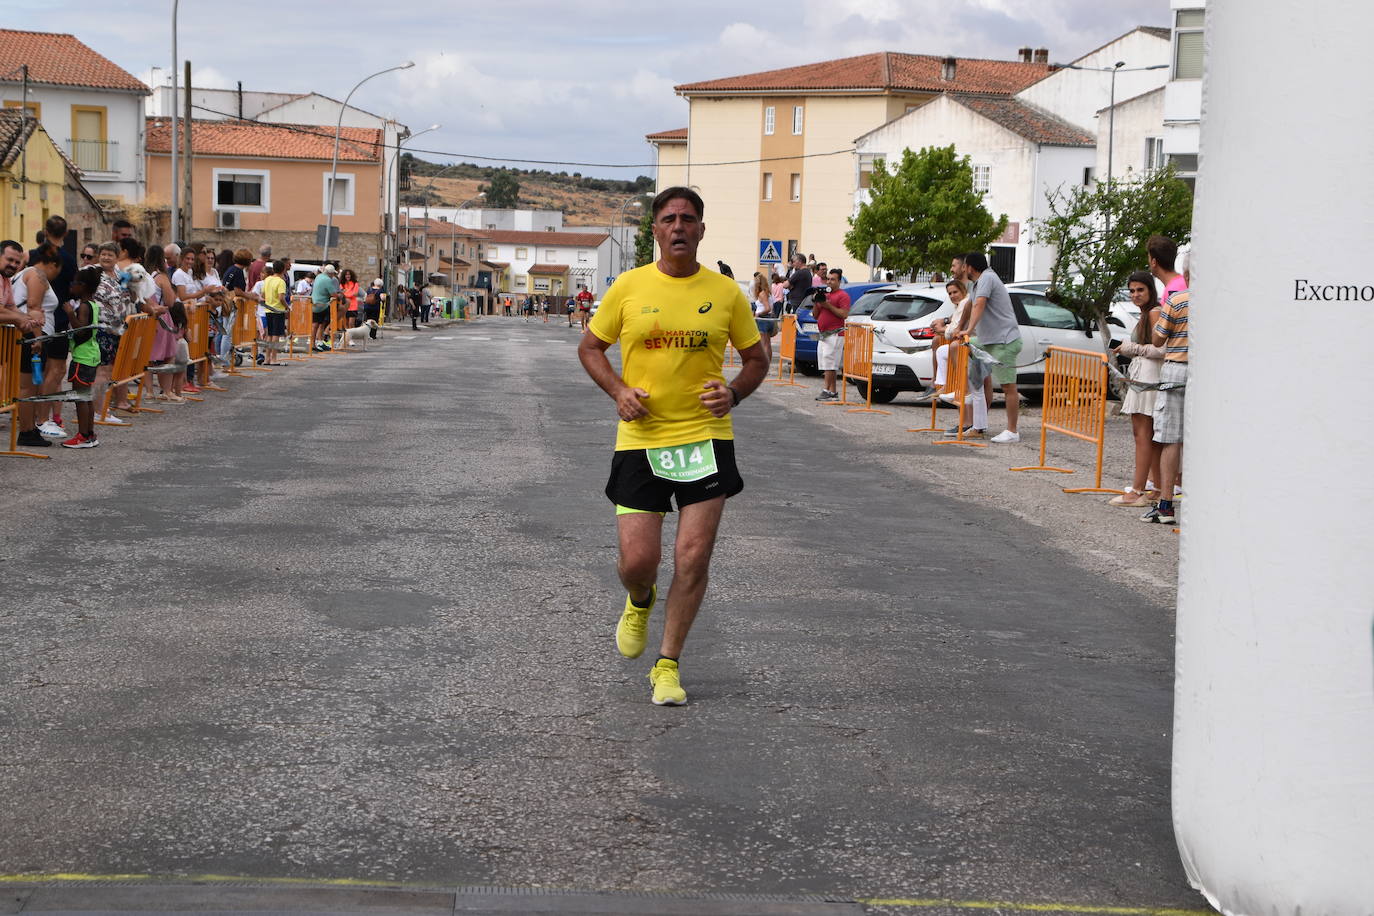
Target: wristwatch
[(734, 395)]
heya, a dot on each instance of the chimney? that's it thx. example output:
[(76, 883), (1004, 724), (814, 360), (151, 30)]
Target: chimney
[(1042, 55), (947, 68), (1025, 55)]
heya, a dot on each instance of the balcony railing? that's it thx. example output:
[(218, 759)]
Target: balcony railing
[(94, 155)]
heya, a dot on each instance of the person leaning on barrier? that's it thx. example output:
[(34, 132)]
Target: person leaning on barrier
[(83, 312), (11, 261), (1171, 333), (761, 294), (991, 310)]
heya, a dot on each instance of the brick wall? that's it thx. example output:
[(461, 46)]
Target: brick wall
[(354, 248)]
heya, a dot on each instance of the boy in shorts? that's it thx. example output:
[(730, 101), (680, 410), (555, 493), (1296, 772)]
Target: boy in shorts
[(85, 354)]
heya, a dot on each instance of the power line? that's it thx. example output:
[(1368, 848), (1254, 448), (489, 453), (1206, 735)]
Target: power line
[(296, 128)]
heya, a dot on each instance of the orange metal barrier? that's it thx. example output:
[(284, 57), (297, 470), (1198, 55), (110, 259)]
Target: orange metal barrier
[(956, 385), (243, 336), (787, 350), (858, 363), (131, 364), (198, 347), (337, 321), (298, 325), (1075, 404), (12, 361)]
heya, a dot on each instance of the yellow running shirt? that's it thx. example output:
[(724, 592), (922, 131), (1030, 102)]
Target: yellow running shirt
[(672, 335), (273, 292)]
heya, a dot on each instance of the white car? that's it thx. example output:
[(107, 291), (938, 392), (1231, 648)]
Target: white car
[(902, 355)]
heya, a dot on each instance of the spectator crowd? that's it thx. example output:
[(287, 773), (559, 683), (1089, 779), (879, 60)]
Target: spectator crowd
[(71, 305)]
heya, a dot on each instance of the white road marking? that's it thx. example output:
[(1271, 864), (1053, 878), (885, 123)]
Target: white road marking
[(450, 338)]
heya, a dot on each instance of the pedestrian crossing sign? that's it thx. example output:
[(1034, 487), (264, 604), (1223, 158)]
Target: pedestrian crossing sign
[(770, 251)]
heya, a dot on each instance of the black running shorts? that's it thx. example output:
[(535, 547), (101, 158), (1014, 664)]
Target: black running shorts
[(80, 375), (634, 485)]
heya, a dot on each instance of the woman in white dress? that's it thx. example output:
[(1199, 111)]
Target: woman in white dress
[(1146, 360)]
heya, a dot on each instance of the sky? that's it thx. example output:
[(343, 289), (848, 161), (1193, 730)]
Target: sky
[(584, 82)]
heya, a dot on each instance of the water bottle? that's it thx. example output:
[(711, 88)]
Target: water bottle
[(36, 367)]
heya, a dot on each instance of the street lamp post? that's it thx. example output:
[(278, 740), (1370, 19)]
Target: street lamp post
[(1114, 69), (176, 189), (617, 228), (334, 168), (453, 241), (396, 201)]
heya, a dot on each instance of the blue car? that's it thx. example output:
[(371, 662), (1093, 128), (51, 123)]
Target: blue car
[(863, 299)]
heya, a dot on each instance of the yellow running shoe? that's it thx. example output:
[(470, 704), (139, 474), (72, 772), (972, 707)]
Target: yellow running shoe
[(634, 623), (667, 687)]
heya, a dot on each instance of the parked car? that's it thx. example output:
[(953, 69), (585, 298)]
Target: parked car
[(903, 337), (863, 299)]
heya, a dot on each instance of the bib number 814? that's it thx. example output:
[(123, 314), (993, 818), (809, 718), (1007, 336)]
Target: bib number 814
[(679, 459)]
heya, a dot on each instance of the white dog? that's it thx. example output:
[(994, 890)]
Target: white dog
[(359, 334), (141, 286)]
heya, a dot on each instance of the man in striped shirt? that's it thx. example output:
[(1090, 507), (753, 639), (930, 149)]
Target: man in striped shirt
[(1171, 333)]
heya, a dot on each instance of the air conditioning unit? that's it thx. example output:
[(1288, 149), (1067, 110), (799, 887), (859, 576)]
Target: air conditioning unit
[(226, 219)]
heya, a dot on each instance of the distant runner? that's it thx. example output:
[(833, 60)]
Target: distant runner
[(675, 440), (584, 306)]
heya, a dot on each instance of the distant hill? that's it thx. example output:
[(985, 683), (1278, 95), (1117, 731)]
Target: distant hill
[(585, 201)]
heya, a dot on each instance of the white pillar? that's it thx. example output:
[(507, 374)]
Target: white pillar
[(1273, 794)]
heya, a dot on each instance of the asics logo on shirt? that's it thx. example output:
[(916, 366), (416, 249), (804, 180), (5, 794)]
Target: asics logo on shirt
[(704, 309)]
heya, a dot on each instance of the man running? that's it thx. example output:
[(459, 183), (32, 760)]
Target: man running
[(584, 306), (675, 439)]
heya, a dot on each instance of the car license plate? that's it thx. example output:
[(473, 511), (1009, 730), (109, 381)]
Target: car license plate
[(884, 369)]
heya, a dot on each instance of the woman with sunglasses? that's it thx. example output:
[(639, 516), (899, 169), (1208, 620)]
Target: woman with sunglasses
[(88, 255)]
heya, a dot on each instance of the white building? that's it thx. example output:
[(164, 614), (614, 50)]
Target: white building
[(1019, 152), (1183, 93), (549, 263), (1136, 143), (89, 106), (1043, 138), (490, 218)]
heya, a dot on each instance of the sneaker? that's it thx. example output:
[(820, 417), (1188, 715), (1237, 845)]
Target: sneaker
[(189, 389), (1006, 436), (948, 397), (80, 441), (667, 684), (113, 420), (923, 397), (33, 439), (1158, 516), (969, 432), (634, 622), (52, 430), (827, 395)]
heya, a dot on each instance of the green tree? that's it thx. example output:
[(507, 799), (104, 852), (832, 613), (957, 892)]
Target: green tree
[(644, 239), (924, 213), (503, 191), (1099, 235)]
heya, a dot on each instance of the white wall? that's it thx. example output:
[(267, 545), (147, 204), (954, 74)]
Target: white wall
[(1135, 120), (209, 104), (477, 218), (1056, 167), (727, 130), (124, 126), (1273, 788), (598, 263), (1182, 98), (1077, 95)]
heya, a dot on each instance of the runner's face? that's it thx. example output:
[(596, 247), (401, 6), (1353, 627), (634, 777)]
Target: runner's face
[(10, 262), (678, 229)]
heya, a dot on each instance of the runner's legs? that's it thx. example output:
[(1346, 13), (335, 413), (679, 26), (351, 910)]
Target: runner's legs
[(696, 539), (641, 550)]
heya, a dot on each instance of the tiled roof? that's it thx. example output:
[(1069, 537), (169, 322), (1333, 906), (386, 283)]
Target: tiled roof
[(1029, 121), (13, 139), (669, 136), (274, 141), (553, 270), (61, 60), (1158, 31), (438, 227), (884, 71), (460, 262), (554, 239), (497, 265), (13, 134)]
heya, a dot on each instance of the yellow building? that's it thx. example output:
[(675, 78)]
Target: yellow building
[(772, 154), (33, 177)]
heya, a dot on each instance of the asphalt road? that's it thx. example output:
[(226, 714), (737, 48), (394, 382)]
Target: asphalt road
[(354, 620)]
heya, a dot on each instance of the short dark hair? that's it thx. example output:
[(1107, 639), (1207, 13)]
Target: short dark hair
[(122, 224), (89, 277), (279, 266), (1163, 249), (976, 260), (132, 247), (836, 272), (678, 193), (56, 226), (11, 243)]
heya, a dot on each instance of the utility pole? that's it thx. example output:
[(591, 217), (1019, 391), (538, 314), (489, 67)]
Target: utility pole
[(186, 159), (174, 175)]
